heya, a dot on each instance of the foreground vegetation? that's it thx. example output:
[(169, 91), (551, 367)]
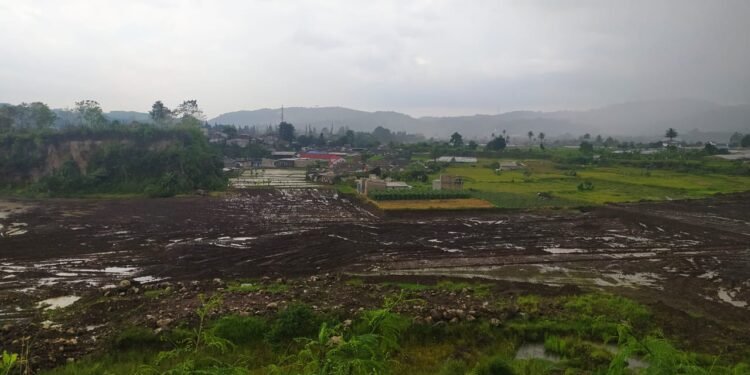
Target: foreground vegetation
[(592, 333)]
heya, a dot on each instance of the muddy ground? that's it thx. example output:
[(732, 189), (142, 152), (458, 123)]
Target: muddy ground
[(688, 260)]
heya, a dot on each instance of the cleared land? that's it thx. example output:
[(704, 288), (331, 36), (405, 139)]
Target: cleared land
[(687, 261)]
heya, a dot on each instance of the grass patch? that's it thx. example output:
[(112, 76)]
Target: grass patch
[(410, 287), (256, 286), (157, 293), (559, 187), (355, 282), (241, 329)]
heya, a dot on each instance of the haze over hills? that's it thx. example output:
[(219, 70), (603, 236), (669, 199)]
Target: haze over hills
[(695, 120), (643, 118)]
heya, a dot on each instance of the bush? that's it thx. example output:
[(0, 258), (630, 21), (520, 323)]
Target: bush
[(137, 337), (453, 367), (241, 329), (297, 320), (494, 366), (586, 186)]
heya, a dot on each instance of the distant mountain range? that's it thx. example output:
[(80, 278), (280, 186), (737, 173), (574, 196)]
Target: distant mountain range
[(693, 119), (632, 119)]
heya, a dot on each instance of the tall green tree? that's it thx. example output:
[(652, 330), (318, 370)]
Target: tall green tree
[(160, 113), (586, 148), (189, 108), (90, 113), (286, 131), (456, 140), (35, 115), (671, 134), (6, 122), (496, 144), (530, 134)]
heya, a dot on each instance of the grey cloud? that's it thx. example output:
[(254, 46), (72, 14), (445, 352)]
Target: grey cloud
[(451, 56)]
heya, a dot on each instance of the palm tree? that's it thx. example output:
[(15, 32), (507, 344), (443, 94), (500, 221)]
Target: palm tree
[(541, 137), (530, 134)]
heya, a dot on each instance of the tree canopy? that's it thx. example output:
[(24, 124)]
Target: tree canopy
[(671, 134), (496, 144), (286, 131), (456, 140), (35, 115)]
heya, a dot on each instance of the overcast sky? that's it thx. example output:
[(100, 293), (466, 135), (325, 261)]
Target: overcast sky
[(417, 57)]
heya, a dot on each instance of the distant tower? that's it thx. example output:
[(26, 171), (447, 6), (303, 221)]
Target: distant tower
[(282, 113)]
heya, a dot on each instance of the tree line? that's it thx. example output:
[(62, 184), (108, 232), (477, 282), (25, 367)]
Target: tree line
[(166, 156)]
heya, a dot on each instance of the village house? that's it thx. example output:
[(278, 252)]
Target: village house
[(509, 166), (374, 183), (457, 159), (448, 182), (283, 154)]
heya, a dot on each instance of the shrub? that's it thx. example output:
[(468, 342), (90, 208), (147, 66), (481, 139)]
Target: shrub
[(453, 367), (241, 329), (493, 366), (586, 186), (297, 320), (136, 337)]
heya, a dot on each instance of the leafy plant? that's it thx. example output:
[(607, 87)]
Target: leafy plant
[(241, 329), (297, 320), (200, 340), (338, 351), (9, 362), (586, 186), (495, 365)]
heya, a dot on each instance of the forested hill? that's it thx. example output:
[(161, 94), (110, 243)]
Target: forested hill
[(643, 118), (132, 159)]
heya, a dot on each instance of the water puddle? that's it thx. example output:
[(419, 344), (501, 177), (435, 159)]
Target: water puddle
[(729, 296), (57, 302), (559, 250), (536, 351)]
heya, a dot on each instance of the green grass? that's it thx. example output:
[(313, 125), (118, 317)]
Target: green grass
[(519, 189), (157, 293), (252, 286), (570, 326)]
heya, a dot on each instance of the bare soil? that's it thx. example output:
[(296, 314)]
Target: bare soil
[(688, 260)]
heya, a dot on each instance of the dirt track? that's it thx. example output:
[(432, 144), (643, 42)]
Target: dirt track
[(688, 257)]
